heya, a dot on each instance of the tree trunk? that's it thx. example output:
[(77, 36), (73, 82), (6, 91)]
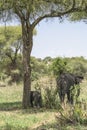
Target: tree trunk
[(27, 36)]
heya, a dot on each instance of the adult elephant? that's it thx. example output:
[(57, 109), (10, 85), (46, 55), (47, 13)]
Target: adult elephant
[(66, 86)]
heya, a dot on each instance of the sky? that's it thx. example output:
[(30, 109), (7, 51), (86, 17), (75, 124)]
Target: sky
[(66, 39), (55, 39)]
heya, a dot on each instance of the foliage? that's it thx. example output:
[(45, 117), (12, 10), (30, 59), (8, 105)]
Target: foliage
[(11, 41), (38, 67), (30, 13), (11, 47), (58, 66), (77, 65), (51, 98), (71, 115), (80, 13), (47, 86), (13, 117), (49, 8), (9, 34), (47, 60)]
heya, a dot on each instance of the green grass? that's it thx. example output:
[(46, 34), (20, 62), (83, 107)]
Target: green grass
[(21, 119), (13, 117)]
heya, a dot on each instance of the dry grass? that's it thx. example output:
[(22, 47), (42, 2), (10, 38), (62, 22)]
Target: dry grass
[(12, 117)]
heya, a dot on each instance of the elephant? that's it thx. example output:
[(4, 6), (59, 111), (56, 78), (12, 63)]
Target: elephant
[(35, 99), (66, 84)]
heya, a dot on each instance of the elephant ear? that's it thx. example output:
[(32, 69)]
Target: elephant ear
[(78, 79)]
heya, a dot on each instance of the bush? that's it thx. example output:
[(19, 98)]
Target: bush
[(71, 115), (58, 66), (51, 98)]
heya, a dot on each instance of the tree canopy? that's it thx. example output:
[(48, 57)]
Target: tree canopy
[(80, 11), (35, 10)]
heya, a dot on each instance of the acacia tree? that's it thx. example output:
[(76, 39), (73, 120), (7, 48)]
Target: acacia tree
[(80, 12), (10, 42), (30, 13)]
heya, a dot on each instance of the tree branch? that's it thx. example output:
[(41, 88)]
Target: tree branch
[(54, 14), (9, 55), (16, 50)]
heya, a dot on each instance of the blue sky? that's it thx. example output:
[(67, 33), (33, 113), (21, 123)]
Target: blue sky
[(60, 39), (66, 39)]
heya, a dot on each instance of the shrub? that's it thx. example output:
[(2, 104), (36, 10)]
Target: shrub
[(71, 115), (51, 98)]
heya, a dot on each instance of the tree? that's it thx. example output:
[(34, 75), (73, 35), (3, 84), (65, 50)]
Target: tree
[(80, 12), (59, 65), (10, 43), (77, 65), (30, 13)]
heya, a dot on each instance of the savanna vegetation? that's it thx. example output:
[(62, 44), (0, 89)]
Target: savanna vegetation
[(20, 72), (44, 71), (30, 13)]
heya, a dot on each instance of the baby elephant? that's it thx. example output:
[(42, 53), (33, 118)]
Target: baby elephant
[(35, 99)]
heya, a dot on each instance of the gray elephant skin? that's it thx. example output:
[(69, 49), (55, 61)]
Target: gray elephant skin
[(66, 84)]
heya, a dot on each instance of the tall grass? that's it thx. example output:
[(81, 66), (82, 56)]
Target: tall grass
[(12, 117)]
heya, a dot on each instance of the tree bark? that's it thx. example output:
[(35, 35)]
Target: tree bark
[(27, 35)]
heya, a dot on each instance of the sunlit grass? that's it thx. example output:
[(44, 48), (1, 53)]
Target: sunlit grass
[(13, 117), (11, 93), (22, 119)]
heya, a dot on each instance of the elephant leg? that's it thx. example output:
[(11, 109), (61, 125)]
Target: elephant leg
[(68, 96), (40, 101), (72, 99), (77, 94), (31, 99), (61, 96)]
